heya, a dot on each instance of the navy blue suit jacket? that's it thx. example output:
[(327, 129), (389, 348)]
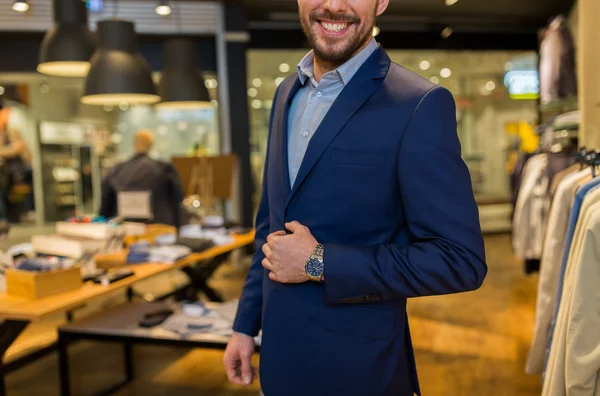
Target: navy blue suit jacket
[(384, 188)]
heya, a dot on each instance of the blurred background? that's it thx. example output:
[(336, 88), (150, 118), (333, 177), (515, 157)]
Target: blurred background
[(79, 79)]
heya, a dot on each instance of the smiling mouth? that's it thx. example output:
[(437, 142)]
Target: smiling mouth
[(334, 27)]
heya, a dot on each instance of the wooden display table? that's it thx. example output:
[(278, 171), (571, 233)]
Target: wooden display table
[(16, 313), (120, 324)]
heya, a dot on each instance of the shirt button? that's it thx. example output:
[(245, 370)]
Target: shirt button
[(319, 94), (305, 133)]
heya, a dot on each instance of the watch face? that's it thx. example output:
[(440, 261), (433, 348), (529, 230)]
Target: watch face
[(314, 268)]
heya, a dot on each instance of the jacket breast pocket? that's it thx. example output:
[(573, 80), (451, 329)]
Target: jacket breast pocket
[(357, 158)]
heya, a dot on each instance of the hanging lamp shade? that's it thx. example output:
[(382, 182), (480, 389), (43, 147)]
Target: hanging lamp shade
[(118, 72), (68, 45), (182, 85)]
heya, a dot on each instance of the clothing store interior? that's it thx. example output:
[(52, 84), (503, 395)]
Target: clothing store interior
[(133, 136)]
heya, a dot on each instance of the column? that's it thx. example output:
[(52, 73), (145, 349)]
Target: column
[(232, 38)]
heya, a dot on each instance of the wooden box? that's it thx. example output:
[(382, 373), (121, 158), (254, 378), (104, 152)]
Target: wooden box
[(34, 285)]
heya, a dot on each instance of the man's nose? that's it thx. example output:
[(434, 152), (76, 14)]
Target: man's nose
[(335, 6)]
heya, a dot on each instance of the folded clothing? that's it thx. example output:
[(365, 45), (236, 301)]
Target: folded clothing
[(43, 264), (196, 318), (139, 253), (168, 254), (219, 236)]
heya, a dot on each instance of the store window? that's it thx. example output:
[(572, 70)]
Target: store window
[(73, 146), (492, 122)]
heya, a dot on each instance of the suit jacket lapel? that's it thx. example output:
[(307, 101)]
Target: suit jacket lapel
[(289, 89), (354, 95)]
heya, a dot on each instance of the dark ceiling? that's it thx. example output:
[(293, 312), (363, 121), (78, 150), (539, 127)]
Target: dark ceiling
[(425, 15)]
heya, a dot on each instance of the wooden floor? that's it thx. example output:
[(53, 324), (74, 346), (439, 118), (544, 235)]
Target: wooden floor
[(469, 344)]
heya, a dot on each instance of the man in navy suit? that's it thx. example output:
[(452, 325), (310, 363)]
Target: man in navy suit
[(366, 202)]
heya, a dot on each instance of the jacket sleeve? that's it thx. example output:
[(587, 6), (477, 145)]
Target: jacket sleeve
[(249, 313), (446, 253)]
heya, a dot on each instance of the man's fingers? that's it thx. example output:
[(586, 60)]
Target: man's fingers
[(274, 277), (267, 250), (267, 264), (247, 372), (294, 226), (231, 368), (275, 235)]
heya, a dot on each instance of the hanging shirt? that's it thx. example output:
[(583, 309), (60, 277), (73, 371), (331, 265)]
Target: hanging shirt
[(314, 99), (574, 359), (552, 253), (574, 218)]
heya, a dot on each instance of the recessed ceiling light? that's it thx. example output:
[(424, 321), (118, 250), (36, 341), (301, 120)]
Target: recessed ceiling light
[(163, 8), (284, 68), (256, 104), (252, 92), (257, 82), (435, 79), (376, 31), (424, 65), (20, 6), (445, 72), (1, 90), (490, 85)]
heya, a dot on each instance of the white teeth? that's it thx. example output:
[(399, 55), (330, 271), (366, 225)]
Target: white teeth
[(334, 27)]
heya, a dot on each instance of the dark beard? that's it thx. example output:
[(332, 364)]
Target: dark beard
[(357, 41)]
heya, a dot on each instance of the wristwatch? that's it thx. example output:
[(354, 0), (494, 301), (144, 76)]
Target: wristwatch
[(315, 266)]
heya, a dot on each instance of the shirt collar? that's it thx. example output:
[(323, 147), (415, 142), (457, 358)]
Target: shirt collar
[(346, 71)]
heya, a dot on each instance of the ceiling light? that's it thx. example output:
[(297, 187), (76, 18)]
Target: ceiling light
[(490, 85), (124, 106), (163, 8), (256, 104), (69, 44), (435, 80), (278, 80), (215, 103), (1, 90), (182, 84), (252, 92), (376, 31), (424, 65), (284, 68), (257, 82), (451, 2), (119, 73), (20, 6), (211, 83), (447, 32), (108, 108), (445, 72)]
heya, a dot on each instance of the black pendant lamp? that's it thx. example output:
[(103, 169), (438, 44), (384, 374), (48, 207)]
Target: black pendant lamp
[(68, 45), (182, 85), (118, 73)]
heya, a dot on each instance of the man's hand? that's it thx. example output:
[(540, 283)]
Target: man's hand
[(237, 360), (286, 255)]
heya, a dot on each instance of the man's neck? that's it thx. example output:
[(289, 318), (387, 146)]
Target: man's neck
[(322, 66)]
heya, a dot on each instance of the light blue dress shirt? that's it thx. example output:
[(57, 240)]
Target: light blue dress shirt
[(573, 219), (314, 99)]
